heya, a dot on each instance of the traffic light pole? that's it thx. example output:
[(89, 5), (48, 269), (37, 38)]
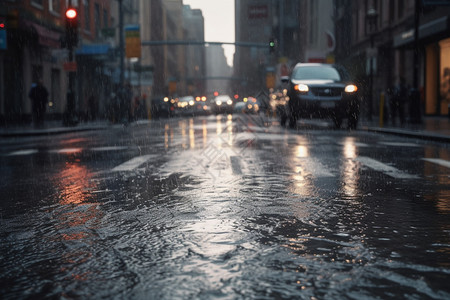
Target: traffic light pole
[(70, 118)]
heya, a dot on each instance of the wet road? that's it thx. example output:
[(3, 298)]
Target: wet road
[(220, 207)]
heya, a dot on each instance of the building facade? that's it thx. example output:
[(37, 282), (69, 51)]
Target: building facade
[(381, 34)]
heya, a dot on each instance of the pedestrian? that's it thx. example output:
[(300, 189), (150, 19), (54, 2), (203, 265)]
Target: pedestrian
[(39, 98), (398, 96)]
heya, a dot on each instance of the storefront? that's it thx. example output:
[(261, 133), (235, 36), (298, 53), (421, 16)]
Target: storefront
[(434, 39)]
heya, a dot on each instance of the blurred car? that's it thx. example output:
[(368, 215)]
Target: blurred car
[(161, 108), (249, 106), (222, 104), (186, 106), (321, 91)]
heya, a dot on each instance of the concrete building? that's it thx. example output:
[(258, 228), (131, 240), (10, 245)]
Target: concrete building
[(194, 28), (34, 29), (383, 32), (217, 71)]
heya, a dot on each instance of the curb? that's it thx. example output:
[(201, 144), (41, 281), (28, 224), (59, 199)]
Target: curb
[(408, 133), (49, 131)]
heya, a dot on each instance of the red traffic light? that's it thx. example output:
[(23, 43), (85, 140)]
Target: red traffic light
[(71, 13)]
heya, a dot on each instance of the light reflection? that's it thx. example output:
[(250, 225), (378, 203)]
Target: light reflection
[(182, 125), (442, 196), (219, 131), (229, 126), (351, 169), (76, 215), (302, 151), (205, 134), (191, 134), (166, 136)]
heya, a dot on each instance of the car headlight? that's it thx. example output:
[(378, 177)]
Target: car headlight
[(351, 88), (229, 102), (303, 88), (219, 102)]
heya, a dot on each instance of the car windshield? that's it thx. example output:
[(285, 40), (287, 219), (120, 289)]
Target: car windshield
[(316, 72)]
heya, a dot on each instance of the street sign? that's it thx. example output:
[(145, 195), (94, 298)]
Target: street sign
[(132, 41), (3, 43)]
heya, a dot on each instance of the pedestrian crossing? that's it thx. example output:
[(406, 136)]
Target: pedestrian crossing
[(305, 166)]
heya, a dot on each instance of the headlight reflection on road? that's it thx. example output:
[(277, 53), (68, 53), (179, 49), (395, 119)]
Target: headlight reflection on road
[(191, 134), (351, 169)]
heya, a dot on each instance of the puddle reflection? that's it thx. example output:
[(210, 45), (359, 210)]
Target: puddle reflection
[(350, 170)]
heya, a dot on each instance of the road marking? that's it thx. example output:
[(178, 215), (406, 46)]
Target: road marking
[(67, 150), (110, 148), (132, 163), (313, 167), (386, 169), (395, 144), (441, 162), (357, 144), (22, 152)]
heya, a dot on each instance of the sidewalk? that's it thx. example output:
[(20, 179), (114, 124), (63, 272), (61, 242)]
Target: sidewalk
[(431, 128), (50, 128)]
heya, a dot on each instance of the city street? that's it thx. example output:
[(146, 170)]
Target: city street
[(230, 207)]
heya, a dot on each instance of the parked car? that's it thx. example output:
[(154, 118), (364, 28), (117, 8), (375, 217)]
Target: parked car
[(222, 104), (321, 91)]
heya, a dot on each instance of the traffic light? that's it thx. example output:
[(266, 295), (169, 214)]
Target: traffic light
[(71, 28), (271, 46), (2, 23)]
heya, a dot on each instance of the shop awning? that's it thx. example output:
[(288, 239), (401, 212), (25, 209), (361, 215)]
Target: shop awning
[(93, 49), (427, 30), (46, 37)]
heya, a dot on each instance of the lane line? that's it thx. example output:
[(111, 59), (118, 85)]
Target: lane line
[(23, 152), (108, 148), (395, 144), (132, 163), (438, 161), (386, 169)]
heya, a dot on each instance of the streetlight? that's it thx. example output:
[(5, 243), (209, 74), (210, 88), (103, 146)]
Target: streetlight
[(371, 22)]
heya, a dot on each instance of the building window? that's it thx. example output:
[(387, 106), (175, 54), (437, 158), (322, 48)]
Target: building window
[(87, 15), (105, 19), (97, 20), (54, 6), (38, 3)]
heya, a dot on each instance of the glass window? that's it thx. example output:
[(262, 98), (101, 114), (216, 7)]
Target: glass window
[(54, 6), (316, 72)]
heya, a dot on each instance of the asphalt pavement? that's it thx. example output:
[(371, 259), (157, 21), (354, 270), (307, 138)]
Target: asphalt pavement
[(431, 128)]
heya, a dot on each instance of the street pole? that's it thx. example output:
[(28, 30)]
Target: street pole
[(414, 104), (121, 46), (371, 79)]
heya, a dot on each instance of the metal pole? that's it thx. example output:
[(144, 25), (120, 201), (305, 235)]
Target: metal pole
[(371, 80), (414, 103), (121, 46)]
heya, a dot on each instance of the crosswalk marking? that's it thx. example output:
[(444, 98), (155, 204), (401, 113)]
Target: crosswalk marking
[(132, 163), (108, 148), (23, 152), (396, 144), (67, 150), (438, 161), (386, 169)]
